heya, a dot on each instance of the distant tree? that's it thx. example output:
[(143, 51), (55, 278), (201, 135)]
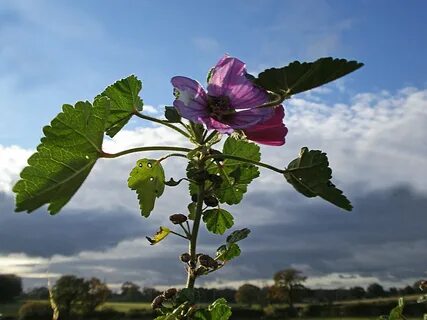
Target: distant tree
[(78, 296), (40, 293), (148, 294), (276, 294), (131, 292), (357, 293), (95, 293), (10, 287), (375, 290), (409, 290), (248, 294), (290, 279), (67, 291), (393, 291)]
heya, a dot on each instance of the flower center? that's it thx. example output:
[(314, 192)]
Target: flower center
[(220, 107)]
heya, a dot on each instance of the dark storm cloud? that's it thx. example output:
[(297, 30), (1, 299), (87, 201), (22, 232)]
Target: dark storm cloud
[(385, 235), (69, 232)]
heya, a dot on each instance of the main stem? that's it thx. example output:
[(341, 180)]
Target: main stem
[(191, 278)]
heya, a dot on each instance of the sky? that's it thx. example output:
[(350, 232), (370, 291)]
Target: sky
[(372, 124)]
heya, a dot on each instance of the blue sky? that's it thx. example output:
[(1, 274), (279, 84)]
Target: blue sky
[(373, 124), (60, 52)]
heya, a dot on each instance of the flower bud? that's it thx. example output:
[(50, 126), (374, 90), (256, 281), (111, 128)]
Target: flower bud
[(169, 293), (178, 218), (157, 302), (210, 201), (185, 257), (207, 261)]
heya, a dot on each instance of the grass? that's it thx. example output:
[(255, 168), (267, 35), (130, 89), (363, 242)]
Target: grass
[(126, 306), (10, 309)]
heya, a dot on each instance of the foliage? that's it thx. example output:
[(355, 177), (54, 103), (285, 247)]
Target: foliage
[(10, 287), (289, 279), (78, 296), (35, 311), (248, 294)]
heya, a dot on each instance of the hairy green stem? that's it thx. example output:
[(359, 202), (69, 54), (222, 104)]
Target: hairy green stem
[(163, 122), (142, 149), (191, 278), (257, 163)]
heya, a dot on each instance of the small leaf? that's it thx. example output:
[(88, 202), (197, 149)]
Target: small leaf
[(148, 180), (218, 220), (218, 310), (162, 233), (238, 235), (298, 77), (192, 210), (228, 252), (64, 158), (172, 115), (310, 175), (397, 312), (124, 102), (236, 175)]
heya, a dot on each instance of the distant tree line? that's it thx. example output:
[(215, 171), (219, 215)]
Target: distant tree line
[(74, 293)]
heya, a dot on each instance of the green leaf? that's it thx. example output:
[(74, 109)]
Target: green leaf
[(227, 252), (172, 115), (397, 312), (236, 175), (238, 235), (218, 220), (298, 77), (148, 180), (124, 102), (310, 175), (218, 310), (192, 210), (64, 158)]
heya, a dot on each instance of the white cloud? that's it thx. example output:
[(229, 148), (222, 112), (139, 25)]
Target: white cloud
[(12, 160), (374, 142)]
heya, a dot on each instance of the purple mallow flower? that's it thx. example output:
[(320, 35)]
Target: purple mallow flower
[(230, 103)]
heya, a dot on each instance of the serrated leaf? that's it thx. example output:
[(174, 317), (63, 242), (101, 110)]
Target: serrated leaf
[(124, 102), (148, 180), (236, 175), (218, 220), (238, 235), (228, 252), (218, 310), (172, 115), (298, 77), (64, 158), (310, 175)]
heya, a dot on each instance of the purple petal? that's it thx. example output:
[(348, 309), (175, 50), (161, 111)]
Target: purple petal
[(211, 123), (191, 102), (248, 118), (271, 132), (229, 79)]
